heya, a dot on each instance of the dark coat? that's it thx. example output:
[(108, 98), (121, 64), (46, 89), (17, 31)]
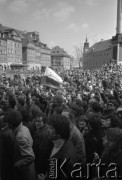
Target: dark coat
[(93, 143), (42, 146), (112, 157), (68, 153), (6, 154)]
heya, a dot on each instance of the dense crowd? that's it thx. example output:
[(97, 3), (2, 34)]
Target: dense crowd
[(73, 132)]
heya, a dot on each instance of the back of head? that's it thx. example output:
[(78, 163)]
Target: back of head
[(21, 101), (95, 122), (61, 125), (14, 118), (34, 110), (12, 101), (25, 114), (58, 110), (95, 106), (115, 134)]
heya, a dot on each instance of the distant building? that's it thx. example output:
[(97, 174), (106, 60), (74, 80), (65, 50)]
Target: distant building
[(105, 51), (45, 55), (60, 60), (28, 52), (11, 47), (74, 63), (3, 51), (98, 54), (22, 48), (36, 54)]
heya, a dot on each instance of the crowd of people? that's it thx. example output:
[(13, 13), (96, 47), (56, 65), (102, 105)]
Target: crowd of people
[(73, 132)]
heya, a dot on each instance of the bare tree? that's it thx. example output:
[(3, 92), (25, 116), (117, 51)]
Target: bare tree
[(78, 52)]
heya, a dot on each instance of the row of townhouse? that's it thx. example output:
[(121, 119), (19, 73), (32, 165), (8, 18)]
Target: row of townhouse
[(24, 49)]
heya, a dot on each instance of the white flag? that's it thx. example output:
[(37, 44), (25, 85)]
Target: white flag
[(50, 73)]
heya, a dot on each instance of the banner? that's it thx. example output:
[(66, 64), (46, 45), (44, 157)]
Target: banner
[(52, 79)]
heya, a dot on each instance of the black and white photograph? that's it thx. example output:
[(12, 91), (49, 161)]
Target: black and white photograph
[(60, 89)]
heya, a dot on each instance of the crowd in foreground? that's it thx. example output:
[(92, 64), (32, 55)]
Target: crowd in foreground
[(74, 132)]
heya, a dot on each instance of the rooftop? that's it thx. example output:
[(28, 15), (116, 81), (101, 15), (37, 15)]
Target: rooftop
[(103, 45)]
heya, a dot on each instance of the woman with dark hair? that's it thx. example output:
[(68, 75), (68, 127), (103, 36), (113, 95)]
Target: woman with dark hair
[(63, 150)]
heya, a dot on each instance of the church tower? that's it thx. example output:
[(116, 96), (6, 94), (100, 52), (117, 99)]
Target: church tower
[(86, 46)]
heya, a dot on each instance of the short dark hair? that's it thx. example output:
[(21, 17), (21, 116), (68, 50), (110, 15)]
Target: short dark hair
[(25, 114), (14, 117), (34, 110), (21, 101), (43, 115), (58, 110), (12, 102), (95, 122), (61, 125)]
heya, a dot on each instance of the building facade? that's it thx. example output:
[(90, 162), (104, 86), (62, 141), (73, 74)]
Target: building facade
[(10, 47), (97, 55), (60, 60), (74, 63), (28, 52), (22, 48), (105, 51), (35, 53), (3, 51), (45, 56)]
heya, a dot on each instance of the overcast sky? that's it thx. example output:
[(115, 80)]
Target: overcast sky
[(62, 22)]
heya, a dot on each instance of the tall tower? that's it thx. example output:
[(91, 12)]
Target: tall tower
[(119, 17), (117, 40), (86, 46)]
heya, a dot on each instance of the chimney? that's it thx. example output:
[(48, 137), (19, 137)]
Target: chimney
[(119, 17)]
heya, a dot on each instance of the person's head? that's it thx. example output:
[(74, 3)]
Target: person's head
[(21, 101), (58, 110), (34, 110), (14, 119), (39, 120), (82, 123), (113, 139), (95, 106), (58, 100), (95, 122), (59, 127), (70, 115), (12, 102), (25, 114)]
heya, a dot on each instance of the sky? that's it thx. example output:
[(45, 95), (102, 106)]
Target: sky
[(64, 23)]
